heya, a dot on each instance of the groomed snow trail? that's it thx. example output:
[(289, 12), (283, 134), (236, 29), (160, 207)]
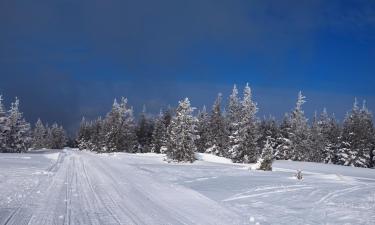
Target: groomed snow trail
[(84, 188)]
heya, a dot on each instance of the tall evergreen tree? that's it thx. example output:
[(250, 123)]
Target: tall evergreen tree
[(4, 128), (144, 132), (39, 135), (182, 134), (299, 133), (159, 135), (57, 137), (19, 135), (119, 128), (318, 142), (203, 130), (284, 144), (218, 133), (247, 150), (234, 119), (357, 138)]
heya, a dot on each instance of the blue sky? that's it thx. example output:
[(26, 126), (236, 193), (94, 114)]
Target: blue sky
[(70, 58)]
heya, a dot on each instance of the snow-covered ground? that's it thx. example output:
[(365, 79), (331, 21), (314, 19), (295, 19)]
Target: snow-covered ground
[(73, 187)]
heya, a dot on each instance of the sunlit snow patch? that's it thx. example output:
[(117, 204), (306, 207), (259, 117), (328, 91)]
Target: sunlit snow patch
[(212, 158), (52, 156)]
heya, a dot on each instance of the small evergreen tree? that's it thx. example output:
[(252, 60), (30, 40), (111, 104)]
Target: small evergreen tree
[(266, 158)]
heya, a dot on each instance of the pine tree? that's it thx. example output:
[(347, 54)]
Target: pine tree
[(266, 158), (284, 144), (203, 130), (247, 150), (39, 135), (120, 129), (357, 141), (19, 135), (269, 131), (331, 134), (318, 142), (234, 120), (182, 134), (57, 137), (159, 135), (4, 128), (144, 132), (299, 133), (83, 135), (218, 133)]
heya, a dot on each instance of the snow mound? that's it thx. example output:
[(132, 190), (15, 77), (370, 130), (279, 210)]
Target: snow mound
[(212, 158), (52, 156)]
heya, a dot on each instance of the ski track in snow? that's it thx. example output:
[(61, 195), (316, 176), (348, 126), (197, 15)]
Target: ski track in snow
[(89, 189), (75, 187)]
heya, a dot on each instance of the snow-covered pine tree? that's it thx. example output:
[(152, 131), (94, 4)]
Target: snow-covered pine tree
[(159, 135), (233, 117), (300, 132), (269, 131), (182, 134), (83, 135), (331, 134), (247, 150), (203, 130), (218, 133), (39, 135), (19, 135), (318, 142), (120, 129), (96, 135), (357, 139), (283, 142), (57, 137), (266, 159), (4, 128), (144, 132)]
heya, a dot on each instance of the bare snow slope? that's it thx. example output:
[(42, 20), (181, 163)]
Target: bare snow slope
[(86, 188)]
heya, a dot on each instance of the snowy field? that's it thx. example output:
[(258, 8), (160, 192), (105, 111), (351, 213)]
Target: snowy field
[(72, 187)]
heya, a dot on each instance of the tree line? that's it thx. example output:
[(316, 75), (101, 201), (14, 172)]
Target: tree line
[(17, 135), (236, 133)]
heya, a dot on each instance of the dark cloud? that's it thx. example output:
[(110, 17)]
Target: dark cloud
[(70, 58)]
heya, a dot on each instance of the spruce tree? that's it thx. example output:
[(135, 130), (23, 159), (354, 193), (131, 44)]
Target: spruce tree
[(203, 130), (39, 135), (267, 157), (57, 137), (159, 135), (299, 133), (234, 119), (284, 144), (247, 150), (182, 134), (4, 128), (218, 133), (144, 132), (19, 135), (357, 141)]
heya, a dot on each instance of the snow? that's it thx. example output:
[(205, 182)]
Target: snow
[(87, 188), (212, 158), (52, 156)]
